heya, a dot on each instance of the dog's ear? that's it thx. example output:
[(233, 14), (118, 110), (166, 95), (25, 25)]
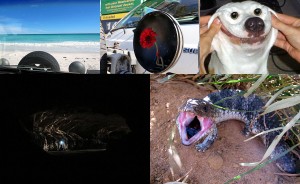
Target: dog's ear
[(212, 18), (274, 31), (273, 12)]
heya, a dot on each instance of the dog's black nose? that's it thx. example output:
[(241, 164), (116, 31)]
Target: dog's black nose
[(255, 26)]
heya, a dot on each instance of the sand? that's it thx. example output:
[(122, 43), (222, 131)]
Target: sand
[(64, 53), (220, 162)]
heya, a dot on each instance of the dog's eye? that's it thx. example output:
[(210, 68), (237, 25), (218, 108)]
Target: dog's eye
[(234, 15), (257, 11)]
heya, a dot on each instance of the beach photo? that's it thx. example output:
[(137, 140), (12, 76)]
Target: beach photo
[(67, 30)]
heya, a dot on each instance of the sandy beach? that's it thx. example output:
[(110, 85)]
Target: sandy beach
[(64, 52)]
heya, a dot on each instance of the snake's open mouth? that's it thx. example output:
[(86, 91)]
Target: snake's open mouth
[(258, 38), (192, 127)]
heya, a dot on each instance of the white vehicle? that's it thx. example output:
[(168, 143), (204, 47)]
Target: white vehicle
[(175, 27)]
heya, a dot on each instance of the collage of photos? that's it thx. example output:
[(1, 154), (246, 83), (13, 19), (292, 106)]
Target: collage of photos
[(235, 117), (214, 84), (218, 81)]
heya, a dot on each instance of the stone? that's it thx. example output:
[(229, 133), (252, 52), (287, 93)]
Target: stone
[(215, 161)]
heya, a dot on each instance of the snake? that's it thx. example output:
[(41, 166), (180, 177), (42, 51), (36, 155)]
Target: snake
[(198, 119)]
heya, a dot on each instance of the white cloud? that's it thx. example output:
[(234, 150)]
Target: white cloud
[(11, 29), (4, 19), (19, 29), (10, 25), (14, 26)]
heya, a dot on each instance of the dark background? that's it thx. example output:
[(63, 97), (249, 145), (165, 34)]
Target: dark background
[(23, 161)]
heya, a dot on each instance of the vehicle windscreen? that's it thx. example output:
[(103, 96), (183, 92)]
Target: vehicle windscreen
[(184, 11)]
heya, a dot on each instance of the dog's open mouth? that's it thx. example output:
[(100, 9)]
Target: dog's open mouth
[(238, 40), (192, 127)]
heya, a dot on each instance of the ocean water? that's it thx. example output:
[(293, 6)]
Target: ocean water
[(50, 42), (48, 38)]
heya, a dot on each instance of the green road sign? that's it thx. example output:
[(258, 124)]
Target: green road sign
[(118, 6)]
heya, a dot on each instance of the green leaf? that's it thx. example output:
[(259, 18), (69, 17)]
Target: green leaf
[(278, 93), (256, 85), (275, 141), (283, 104), (264, 132), (173, 154), (165, 79), (261, 165)]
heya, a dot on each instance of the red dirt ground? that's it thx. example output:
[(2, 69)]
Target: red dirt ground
[(220, 162)]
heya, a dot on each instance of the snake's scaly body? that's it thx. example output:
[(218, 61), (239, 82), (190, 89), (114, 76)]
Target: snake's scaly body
[(198, 119)]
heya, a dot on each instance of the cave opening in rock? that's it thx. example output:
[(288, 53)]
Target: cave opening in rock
[(76, 130)]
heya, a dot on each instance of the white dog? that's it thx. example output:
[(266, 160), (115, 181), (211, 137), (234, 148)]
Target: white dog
[(245, 38)]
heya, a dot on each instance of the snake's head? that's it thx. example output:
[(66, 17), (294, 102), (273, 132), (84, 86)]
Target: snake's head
[(194, 121)]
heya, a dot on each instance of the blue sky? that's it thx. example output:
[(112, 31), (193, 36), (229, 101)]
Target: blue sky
[(48, 17)]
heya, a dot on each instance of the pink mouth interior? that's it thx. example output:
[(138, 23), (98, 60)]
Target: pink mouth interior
[(238, 40), (192, 127)]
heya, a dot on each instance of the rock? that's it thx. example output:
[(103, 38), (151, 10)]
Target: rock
[(214, 182), (220, 152), (215, 161), (153, 120), (152, 113), (235, 165)]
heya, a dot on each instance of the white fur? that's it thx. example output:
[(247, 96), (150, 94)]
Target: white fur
[(242, 58)]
